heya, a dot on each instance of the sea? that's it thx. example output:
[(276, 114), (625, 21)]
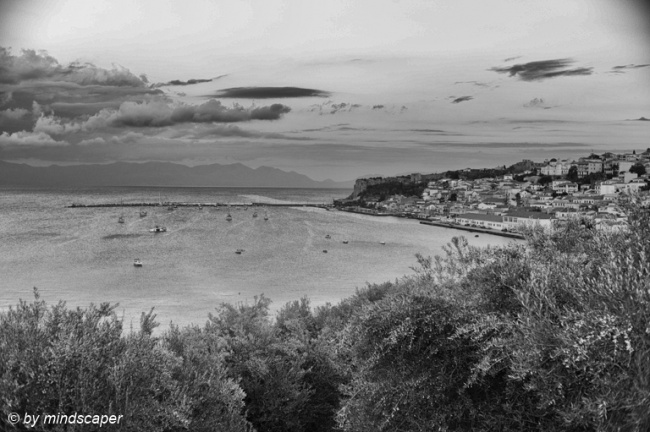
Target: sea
[(82, 255)]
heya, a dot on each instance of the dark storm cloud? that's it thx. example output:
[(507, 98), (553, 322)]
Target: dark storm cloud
[(269, 92), (462, 99), (31, 65), (544, 69)]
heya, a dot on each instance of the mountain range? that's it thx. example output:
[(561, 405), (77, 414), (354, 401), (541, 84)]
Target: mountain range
[(159, 174)]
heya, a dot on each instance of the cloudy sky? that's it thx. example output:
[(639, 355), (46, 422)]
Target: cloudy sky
[(331, 89)]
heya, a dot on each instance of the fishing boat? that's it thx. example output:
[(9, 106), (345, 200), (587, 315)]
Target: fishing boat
[(228, 218), (239, 251), (143, 213), (137, 262), (120, 219), (255, 214), (158, 229)]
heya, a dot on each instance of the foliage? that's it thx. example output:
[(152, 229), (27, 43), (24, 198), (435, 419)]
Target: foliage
[(57, 360), (383, 191), (638, 168)]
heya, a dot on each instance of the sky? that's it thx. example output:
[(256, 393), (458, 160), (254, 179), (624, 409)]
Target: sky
[(336, 89)]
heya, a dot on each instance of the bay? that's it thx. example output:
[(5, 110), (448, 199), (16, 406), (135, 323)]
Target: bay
[(83, 255)]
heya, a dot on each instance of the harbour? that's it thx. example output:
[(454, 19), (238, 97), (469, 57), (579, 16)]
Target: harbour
[(83, 254)]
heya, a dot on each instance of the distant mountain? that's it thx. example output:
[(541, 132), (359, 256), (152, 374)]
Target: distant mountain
[(159, 174)]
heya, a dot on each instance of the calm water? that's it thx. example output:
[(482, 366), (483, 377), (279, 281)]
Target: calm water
[(84, 255)]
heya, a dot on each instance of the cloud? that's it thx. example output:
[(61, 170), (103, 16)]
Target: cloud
[(462, 99), (544, 69), (476, 83), (269, 92), (22, 138), (229, 131), (188, 82), (158, 113), (54, 126), (13, 114), (33, 66), (511, 58), (619, 69)]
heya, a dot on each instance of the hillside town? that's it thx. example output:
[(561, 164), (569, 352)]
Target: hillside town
[(593, 189)]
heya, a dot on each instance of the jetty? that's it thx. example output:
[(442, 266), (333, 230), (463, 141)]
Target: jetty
[(474, 229), (325, 206)]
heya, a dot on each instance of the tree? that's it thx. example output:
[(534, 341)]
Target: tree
[(638, 168), (572, 175)]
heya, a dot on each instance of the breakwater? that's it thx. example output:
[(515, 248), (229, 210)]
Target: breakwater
[(206, 204), (474, 229)]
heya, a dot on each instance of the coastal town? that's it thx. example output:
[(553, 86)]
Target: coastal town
[(593, 189)]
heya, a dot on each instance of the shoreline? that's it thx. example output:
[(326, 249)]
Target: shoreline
[(440, 224), (474, 229)]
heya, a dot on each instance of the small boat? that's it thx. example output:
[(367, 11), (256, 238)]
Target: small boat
[(324, 250), (239, 251), (158, 229), (476, 235), (200, 207), (255, 214), (137, 262), (228, 218), (120, 219), (143, 213), (266, 216), (170, 208), (345, 242), (382, 242), (328, 236)]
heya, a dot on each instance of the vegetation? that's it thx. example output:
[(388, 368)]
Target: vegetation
[(549, 335), (383, 191)]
